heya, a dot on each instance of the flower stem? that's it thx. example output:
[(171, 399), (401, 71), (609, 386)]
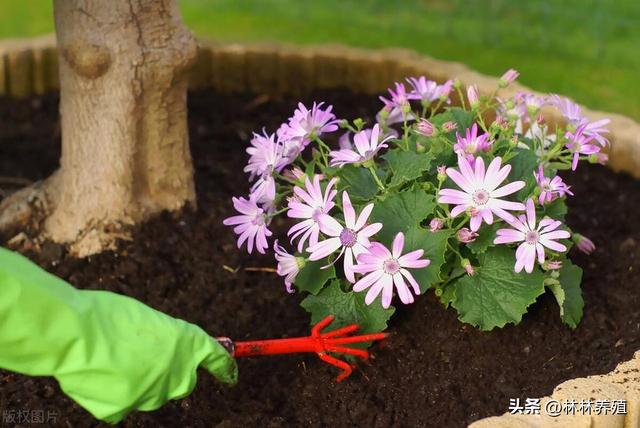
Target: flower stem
[(376, 178)]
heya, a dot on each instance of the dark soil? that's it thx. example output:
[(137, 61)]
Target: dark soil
[(435, 370)]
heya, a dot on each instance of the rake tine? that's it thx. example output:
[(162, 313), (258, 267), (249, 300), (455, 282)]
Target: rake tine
[(346, 368), (316, 331), (341, 331), (350, 351)]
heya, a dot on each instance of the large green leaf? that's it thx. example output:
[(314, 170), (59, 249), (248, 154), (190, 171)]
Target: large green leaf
[(557, 209), (347, 308), (400, 212), (496, 295), (358, 182), (568, 294), (312, 277), (522, 167), (486, 235), (406, 166), (434, 245)]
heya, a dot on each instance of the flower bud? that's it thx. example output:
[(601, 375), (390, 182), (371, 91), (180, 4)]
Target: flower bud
[(466, 265), (473, 97), (436, 224), (449, 126), (425, 128), (442, 173), (508, 77), (465, 235), (552, 265), (583, 243), (457, 84), (540, 120)]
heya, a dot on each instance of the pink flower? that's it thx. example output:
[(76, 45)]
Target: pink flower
[(425, 128), (583, 243), (366, 147), (251, 225), (551, 188), (399, 98), (306, 124), (471, 143), (436, 224), (480, 191), (428, 91), (352, 239), (580, 144), (534, 238), (472, 95), (310, 205), (508, 77), (385, 269), (288, 265), (465, 235), (266, 157)]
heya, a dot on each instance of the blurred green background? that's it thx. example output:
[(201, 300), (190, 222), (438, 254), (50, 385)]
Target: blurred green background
[(586, 49)]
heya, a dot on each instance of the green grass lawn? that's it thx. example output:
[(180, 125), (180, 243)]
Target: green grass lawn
[(587, 49)]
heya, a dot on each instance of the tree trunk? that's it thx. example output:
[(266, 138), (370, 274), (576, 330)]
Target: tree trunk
[(125, 152)]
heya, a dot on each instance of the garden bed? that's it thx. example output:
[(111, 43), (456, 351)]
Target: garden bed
[(434, 371)]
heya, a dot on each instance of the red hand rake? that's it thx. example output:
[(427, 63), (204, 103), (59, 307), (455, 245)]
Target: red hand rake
[(319, 343)]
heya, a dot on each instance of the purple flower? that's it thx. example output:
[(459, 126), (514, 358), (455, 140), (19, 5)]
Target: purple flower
[(288, 265), (310, 205), (385, 269), (551, 188), (436, 224), (428, 91), (471, 143), (534, 238), (583, 243), (251, 225), (465, 235), (480, 191), (573, 114), (366, 147), (352, 239), (580, 144), (508, 77), (425, 128)]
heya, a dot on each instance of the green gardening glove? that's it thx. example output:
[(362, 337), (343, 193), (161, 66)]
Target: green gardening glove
[(110, 353)]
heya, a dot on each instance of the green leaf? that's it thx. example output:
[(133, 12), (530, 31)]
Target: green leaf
[(312, 277), (347, 308), (486, 235), (402, 211), (434, 245), (406, 166), (496, 295), (522, 167), (358, 182), (557, 209), (463, 118), (568, 294)]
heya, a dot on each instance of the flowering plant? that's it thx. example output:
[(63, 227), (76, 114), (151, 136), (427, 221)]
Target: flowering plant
[(428, 197)]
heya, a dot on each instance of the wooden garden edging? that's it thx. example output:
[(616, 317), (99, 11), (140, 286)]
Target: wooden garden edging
[(30, 67)]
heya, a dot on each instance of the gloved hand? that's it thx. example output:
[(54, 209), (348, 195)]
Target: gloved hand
[(110, 353)]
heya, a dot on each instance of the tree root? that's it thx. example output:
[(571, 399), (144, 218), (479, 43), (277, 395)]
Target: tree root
[(23, 217)]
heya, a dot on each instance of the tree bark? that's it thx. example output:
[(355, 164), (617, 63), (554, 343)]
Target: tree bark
[(125, 152)]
